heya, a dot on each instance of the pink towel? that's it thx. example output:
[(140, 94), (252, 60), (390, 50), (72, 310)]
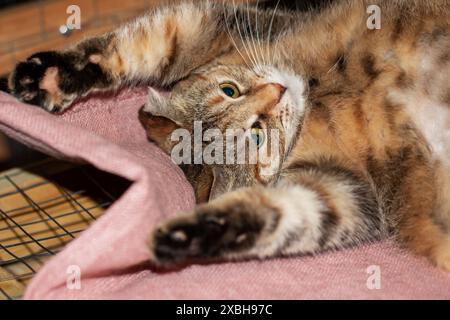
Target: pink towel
[(112, 257)]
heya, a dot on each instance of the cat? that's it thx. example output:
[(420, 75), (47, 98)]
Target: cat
[(362, 115)]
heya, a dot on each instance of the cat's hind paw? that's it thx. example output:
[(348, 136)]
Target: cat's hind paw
[(208, 234)]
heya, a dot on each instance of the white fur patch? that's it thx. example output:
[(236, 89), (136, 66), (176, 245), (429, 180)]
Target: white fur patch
[(295, 87), (293, 101), (432, 119), (301, 209)]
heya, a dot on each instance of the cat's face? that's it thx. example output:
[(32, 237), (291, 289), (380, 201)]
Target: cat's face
[(261, 111)]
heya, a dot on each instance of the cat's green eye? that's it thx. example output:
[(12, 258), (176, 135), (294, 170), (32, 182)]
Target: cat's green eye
[(230, 90), (258, 135)]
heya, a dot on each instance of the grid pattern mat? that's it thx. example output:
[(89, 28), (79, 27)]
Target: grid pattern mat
[(42, 208)]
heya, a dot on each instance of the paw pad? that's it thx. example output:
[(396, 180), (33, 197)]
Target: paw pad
[(26, 80), (241, 238), (179, 236)]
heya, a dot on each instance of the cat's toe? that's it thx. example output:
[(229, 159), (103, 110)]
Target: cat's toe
[(170, 245)]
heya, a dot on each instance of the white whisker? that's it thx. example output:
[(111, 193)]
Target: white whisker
[(276, 48), (270, 31), (240, 33), (246, 35), (258, 38), (232, 39), (252, 39)]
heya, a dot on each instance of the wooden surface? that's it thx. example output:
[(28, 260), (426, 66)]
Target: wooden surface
[(35, 27)]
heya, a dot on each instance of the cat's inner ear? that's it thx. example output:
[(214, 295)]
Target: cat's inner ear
[(158, 105), (159, 129)]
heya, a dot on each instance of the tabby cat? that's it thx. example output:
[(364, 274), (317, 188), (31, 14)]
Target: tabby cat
[(363, 116)]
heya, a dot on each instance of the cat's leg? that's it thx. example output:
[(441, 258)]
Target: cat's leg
[(313, 210), (442, 252), (162, 47), (424, 212)]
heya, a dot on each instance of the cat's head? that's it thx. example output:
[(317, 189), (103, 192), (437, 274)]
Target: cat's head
[(257, 112)]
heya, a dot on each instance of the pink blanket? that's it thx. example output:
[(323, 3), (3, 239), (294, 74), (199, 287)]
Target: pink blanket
[(112, 257)]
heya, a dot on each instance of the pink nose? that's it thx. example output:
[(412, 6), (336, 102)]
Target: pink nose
[(279, 89)]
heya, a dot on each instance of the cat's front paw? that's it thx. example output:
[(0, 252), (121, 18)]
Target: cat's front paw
[(209, 234), (37, 81), (53, 80)]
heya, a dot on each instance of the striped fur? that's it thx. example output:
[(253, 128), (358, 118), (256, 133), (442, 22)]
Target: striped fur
[(363, 115)]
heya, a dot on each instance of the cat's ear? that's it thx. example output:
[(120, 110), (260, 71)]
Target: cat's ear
[(159, 129), (158, 105), (159, 119)]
